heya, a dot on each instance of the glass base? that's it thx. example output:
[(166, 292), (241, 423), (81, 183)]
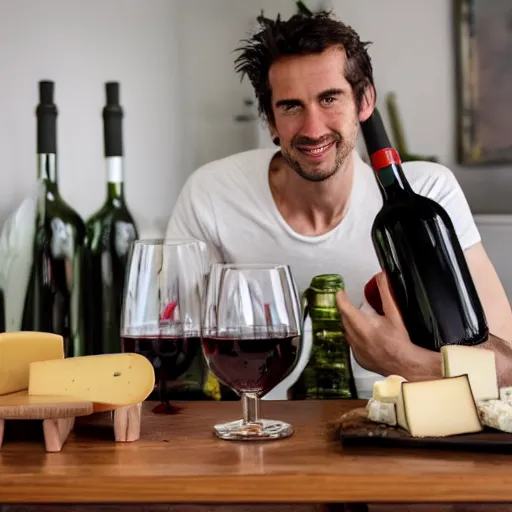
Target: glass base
[(263, 430)]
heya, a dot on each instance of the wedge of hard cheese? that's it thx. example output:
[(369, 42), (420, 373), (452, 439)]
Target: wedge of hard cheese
[(439, 408), (18, 350), (114, 379), (477, 363)]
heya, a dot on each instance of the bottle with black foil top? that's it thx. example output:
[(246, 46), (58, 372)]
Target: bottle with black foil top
[(419, 250), (110, 234), (54, 300)]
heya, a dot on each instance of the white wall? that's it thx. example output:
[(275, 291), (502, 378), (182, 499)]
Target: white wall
[(80, 45), (209, 32)]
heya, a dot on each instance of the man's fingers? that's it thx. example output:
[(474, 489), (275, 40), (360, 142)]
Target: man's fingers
[(355, 318), (389, 306)]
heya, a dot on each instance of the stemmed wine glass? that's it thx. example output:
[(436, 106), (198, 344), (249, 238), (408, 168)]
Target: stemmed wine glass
[(251, 339), (161, 314)]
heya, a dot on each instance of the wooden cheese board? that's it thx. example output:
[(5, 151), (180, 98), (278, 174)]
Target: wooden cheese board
[(355, 429), (58, 416)]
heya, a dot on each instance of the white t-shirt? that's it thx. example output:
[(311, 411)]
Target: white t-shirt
[(228, 203)]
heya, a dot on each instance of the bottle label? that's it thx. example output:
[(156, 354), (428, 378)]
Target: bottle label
[(115, 169)]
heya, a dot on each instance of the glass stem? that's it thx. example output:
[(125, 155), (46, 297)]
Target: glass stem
[(251, 405), (162, 388)]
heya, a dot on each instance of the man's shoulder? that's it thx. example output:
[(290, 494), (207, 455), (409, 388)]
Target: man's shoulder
[(430, 179), (221, 171)]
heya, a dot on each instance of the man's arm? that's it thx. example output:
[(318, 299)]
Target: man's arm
[(490, 290)]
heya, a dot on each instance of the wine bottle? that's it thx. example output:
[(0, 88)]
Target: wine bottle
[(419, 250), (110, 233), (54, 299)]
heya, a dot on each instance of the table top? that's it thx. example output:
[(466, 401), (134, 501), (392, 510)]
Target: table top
[(178, 460)]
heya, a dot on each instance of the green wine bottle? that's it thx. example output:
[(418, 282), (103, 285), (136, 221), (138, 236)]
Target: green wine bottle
[(110, 234), (328, 373), (54, 299)]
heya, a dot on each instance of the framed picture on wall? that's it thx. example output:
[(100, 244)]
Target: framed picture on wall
[(484, 89)]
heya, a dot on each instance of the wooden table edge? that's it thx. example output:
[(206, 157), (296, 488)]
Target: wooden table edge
[(285, 488)]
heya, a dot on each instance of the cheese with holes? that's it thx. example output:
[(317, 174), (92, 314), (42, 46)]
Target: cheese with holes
[(477, 363), (18, 350), (441, 407), (381, 412), (116, 379), (496, 414)]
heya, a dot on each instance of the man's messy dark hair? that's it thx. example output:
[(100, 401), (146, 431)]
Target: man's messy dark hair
[(302, 35)]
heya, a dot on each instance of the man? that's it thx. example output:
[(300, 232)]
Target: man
[(312, 203)]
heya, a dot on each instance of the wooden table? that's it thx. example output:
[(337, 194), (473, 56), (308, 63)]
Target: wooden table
[(178, 460)]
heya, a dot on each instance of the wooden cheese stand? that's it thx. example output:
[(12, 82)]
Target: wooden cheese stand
[(177, 460), (58, 417)]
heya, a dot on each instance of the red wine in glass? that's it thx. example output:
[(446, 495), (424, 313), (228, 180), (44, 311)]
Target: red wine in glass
[(250, 365), (161, 315), (170, 356)]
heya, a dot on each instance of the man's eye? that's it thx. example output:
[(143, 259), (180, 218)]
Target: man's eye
[(289, 109), (329, 100)]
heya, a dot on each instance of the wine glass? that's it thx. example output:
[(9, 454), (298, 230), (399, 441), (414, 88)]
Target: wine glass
[(161, 315), (251, 339)]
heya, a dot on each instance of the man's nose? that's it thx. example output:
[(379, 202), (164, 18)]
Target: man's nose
[(313, 126)]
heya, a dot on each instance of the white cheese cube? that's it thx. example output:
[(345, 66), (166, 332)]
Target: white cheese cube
[(381, 412), (388, 390)]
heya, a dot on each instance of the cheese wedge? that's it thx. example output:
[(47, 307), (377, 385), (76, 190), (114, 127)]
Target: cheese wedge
[(496, 414), (439, 408), (477, 363), (116, 379), (18, 350)]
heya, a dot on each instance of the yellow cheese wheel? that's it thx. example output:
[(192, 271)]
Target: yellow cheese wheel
[(115, 379), (18, 350)]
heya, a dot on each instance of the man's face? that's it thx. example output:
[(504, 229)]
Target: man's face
[(316, 117)]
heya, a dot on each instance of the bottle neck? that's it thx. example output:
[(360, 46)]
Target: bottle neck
[(47, 169), (391, 179), (115, 180)]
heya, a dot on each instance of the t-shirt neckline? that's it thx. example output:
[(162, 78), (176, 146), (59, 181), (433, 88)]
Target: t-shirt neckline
[(358, 183)]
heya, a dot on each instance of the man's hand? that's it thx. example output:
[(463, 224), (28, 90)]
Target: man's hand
[(381, 343)]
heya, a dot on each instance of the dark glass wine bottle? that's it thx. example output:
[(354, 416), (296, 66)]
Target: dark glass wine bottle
[(419, 250), (110, 234), (54, 301)]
